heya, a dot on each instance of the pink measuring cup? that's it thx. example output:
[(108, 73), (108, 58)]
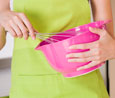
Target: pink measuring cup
[(55, 52)]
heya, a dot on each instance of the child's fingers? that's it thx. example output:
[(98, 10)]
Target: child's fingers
[(28, 25)]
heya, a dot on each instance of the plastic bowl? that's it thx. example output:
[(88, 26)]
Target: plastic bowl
[(55, 52)]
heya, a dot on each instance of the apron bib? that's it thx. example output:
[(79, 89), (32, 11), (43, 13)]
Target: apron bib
[(32, 76)]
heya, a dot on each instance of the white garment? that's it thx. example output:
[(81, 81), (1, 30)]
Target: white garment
[(11, 5)]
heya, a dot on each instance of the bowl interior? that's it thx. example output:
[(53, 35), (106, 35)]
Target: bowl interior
[(58, 37)]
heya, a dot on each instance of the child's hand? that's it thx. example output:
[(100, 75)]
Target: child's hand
[(100, 51), (16, 24)]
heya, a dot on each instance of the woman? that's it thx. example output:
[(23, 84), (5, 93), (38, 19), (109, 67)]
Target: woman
[(32, 76)]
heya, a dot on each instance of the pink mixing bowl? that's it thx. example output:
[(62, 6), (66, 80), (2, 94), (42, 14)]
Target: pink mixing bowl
[(56, 51)]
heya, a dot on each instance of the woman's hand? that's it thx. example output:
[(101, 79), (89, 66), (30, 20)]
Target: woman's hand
[(100, 51), (16, 24)]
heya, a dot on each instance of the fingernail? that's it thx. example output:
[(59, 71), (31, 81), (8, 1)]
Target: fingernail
[(33, 38), (25, 38), (90, 28)]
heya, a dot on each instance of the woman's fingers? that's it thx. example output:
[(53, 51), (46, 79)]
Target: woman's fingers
[(98, 31), (94, 58), (93, 63), (22, 27), (93, 52), (18, 24), (16, 29), (10, 30), (85, 45), (28, 25)]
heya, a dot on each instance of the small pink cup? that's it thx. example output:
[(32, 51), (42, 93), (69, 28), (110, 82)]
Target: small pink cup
[(56, 52)]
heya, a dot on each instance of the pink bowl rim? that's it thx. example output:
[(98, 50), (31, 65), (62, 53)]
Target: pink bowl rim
[(37, 48)]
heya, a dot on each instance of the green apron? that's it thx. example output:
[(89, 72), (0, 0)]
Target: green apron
[(5, 97), (32, 76)]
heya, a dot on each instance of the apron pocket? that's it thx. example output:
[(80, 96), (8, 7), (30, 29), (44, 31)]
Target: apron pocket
[(56, 86), (44, 86)]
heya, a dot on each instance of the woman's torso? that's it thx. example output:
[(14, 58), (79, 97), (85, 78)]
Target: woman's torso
[(46, 16), (32, 76)]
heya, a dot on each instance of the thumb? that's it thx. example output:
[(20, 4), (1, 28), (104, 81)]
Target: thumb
[(96, 30)]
